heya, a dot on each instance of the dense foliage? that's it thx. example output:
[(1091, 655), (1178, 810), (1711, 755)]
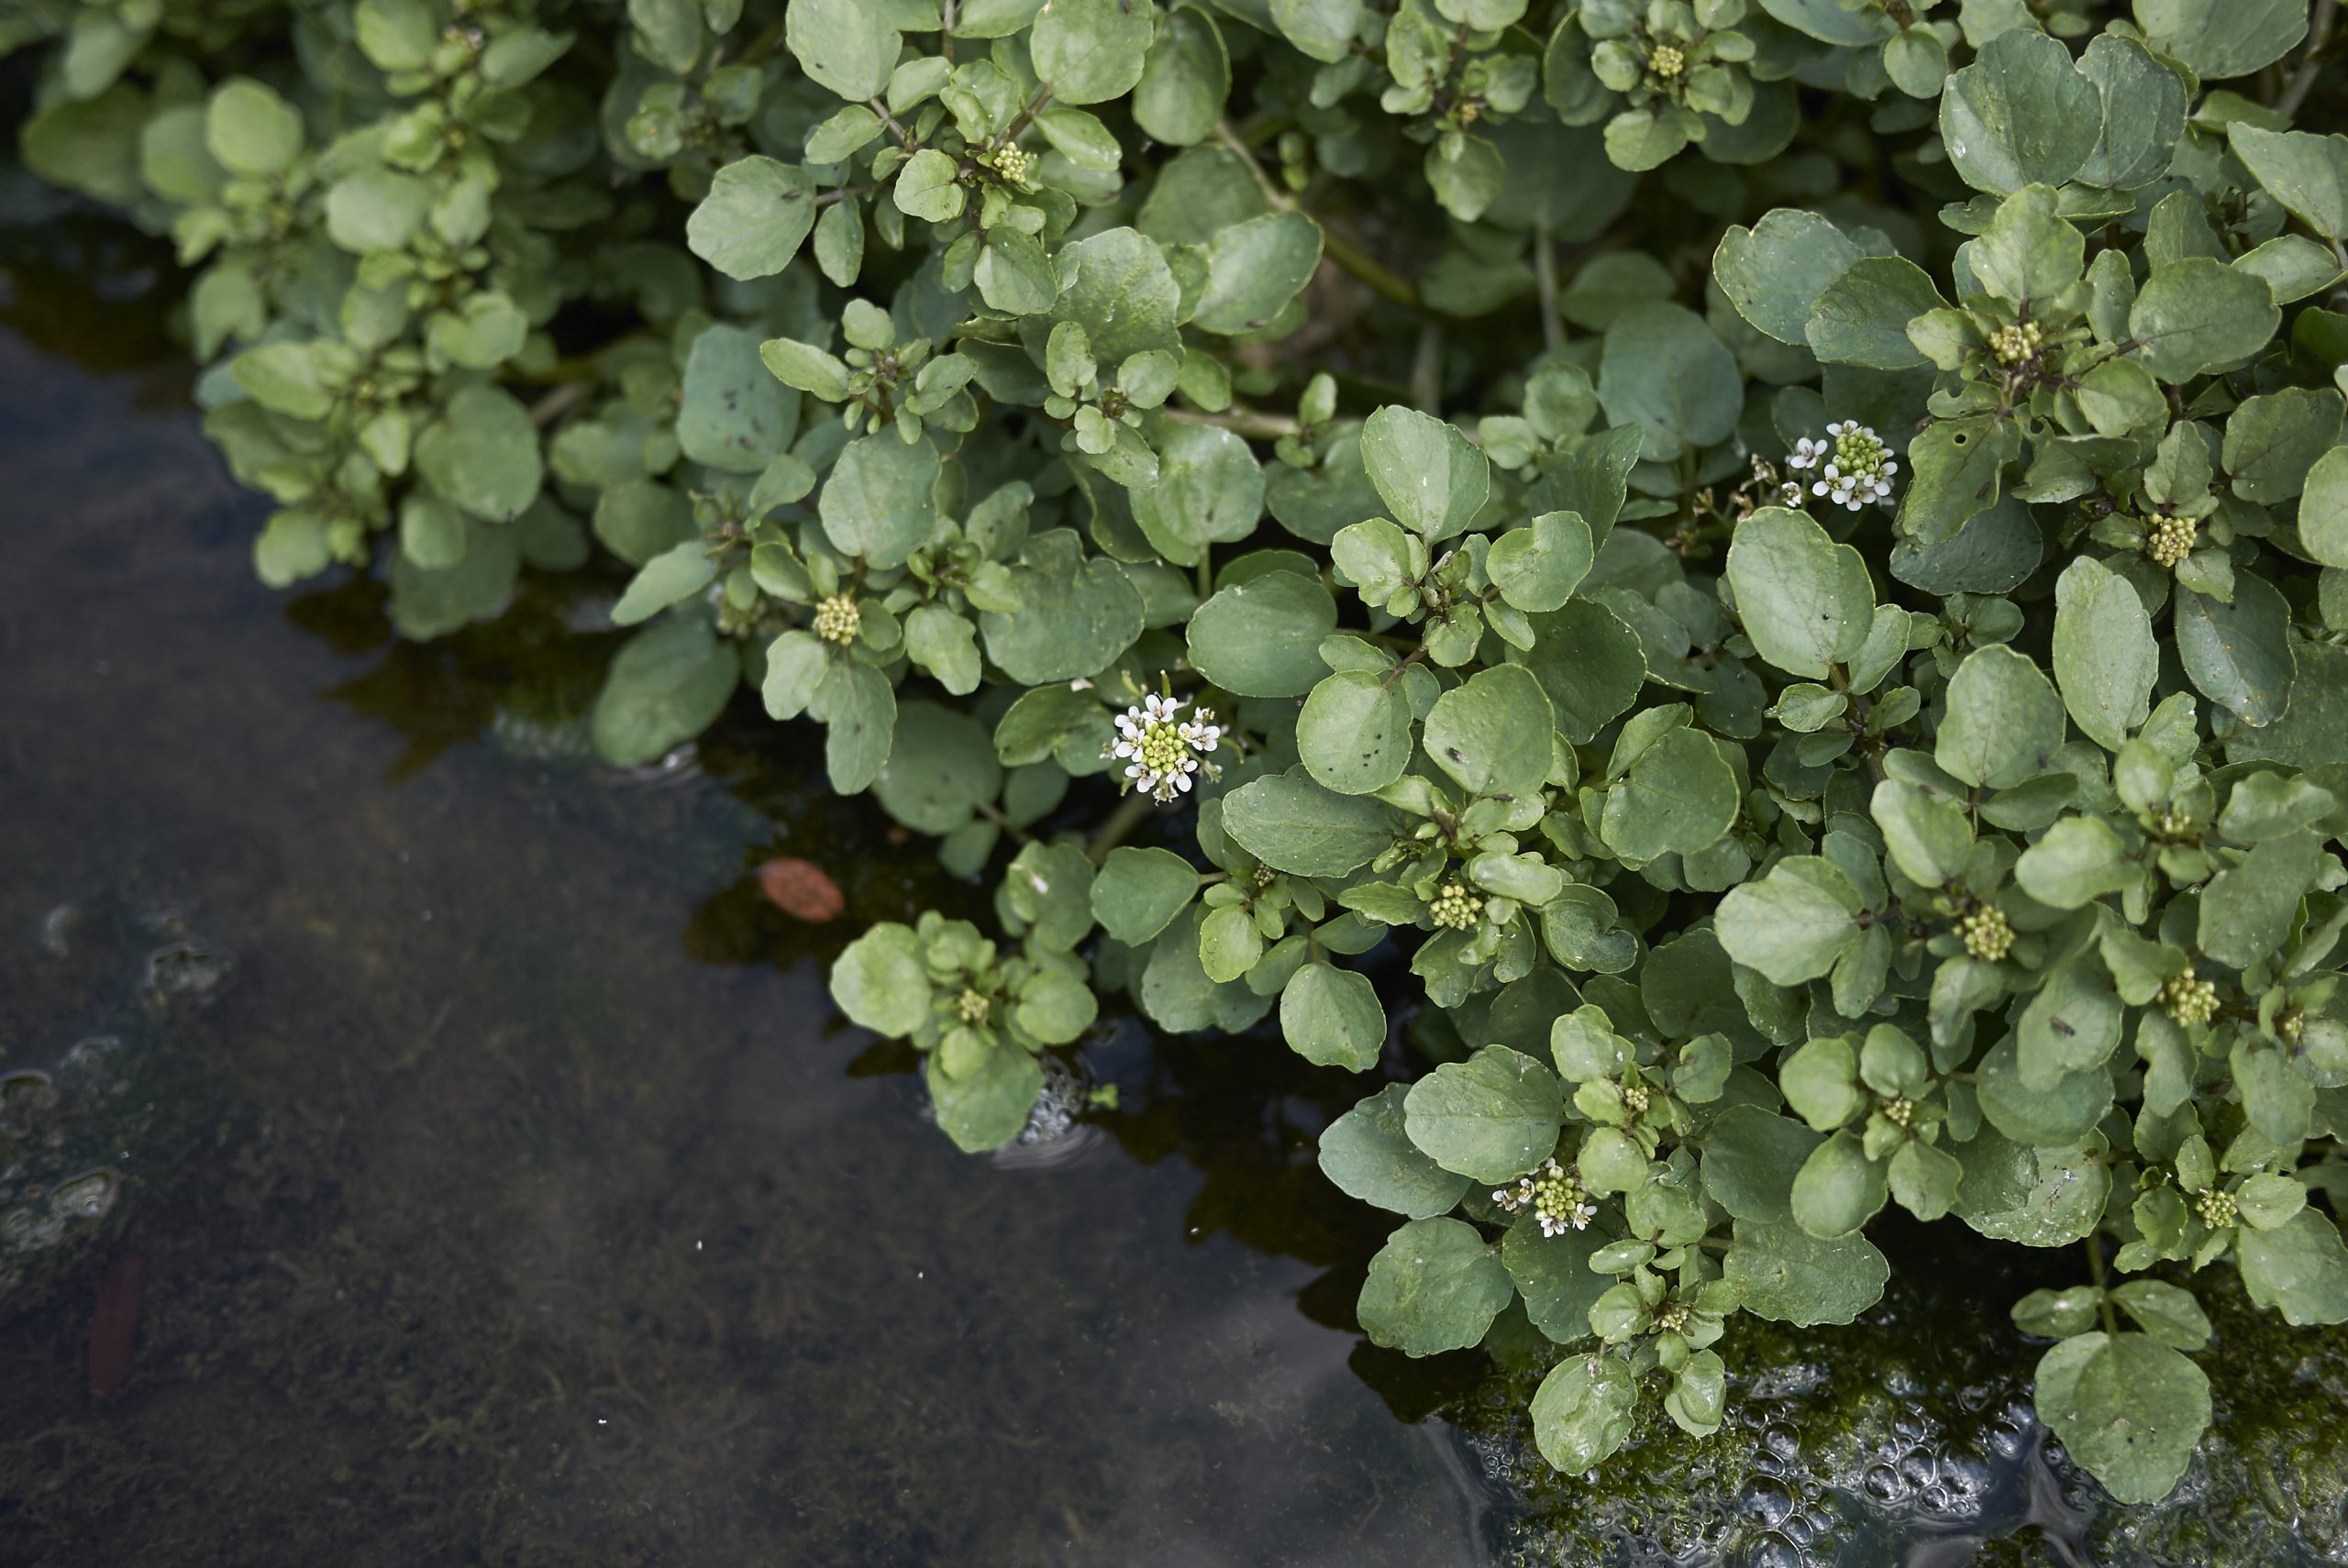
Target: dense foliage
[(1848, 708)]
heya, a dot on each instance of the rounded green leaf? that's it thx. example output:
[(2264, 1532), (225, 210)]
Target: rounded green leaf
[(754, 218), (2127, 1407), (1490, 1118), (880, 983), (1089, 52), (1262, 637), (1663, 371), (1367, 1153), (1432, 478), (1354, 734), (2201, 315), (1435, 1286), (1292, 824), (1581, 1412), (2004, 723), (1493, 734), (2020, 115), (1331, 1018), (1805, 601), (1140, 891), (2104, 657), (1792, 1277)]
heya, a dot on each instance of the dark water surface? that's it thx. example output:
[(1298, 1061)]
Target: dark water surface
[(505, 1189), (438, 1152)]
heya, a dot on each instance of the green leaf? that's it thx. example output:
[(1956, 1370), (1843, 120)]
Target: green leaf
[(859, 713), (2105, 656), (1774, 271), (2273, 440), (1553, 1277), (1355, 735), (2201, 315), (250, 130), (1140, 891), (1076, 615), (1679, 798), (666, 685), (482, 454), (1089, 52), (1821, 1082), (1262, 637), (1537, 566), (2144, 114), (2164, 1312), (1861, 318), (1322, 29), (1434, 1286), (2297, 1268), (2239, 655), (1432, 478), (2081, 859), (1663, 371), (2127, 1408), (1369, 1156), (1750, 1157), (1115, 285), (1185, 81), (880, 983), (941, 769), (1490, 1118), (844, 46), (988, 1107), (756, 216), (1928, 837), (1331, 1018), (1255, 269), (928, 187), (1292, 824), (736, 416), (675, 574), (2307, 173), (877, 502), (1792, 1277), (2004, 721), (1793, 924), (1805, 601), (2248, 910), (2020, 115), (1838, 1188), (1581, 1412), (796, 664), (2040, 1198), (1491, 735), (1589, 663), (2223, 38), (2029, 253), (1210, 491), (2323, 511), (1925, 1179)]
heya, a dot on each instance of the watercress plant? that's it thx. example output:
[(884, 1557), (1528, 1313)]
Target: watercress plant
[(1747, 597)]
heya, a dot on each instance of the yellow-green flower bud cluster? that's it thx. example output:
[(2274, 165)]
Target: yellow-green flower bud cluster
[(1668, 62), (1988, 934), (2017, 345), (970, 1007), (2217, 1208), (2169, 540), (837, 619), (2189, 1000), (1454, 908)]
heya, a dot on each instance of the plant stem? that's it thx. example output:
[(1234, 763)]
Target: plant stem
[(1350, 257), (1241, 421), (1545, 272), (558, 402), (2103, 1295), (2311, 66), (1426, 369), (1130, 814)]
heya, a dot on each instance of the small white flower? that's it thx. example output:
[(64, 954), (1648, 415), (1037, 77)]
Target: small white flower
[(1160, 750), (1855, 466)]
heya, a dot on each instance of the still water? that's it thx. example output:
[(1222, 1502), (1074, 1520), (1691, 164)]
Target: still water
[(468, 1164)]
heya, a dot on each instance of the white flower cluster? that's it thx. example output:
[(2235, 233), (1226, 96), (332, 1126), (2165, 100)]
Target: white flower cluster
[(1160, 751), (1558, 1200), (1855, 466)]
